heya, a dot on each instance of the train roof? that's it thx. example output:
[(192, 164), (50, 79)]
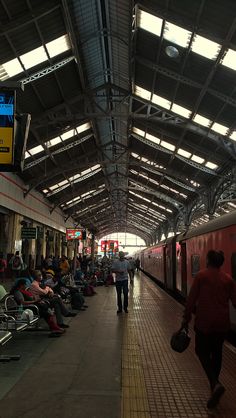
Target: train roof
[(218, 223)]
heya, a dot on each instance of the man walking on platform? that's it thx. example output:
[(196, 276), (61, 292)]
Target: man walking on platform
[(210, 294), (121, 268)]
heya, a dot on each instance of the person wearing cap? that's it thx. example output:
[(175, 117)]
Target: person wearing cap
[(121, 269)]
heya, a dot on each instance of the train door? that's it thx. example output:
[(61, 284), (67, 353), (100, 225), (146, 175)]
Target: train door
[(183, 269), (164, 263)]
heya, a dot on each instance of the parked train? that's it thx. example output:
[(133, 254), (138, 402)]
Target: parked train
[(175, 262)]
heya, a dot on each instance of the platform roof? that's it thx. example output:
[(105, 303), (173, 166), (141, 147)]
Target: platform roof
[(133, 108)]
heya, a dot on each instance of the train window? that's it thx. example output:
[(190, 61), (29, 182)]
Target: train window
[(195, 264), (233, 265)]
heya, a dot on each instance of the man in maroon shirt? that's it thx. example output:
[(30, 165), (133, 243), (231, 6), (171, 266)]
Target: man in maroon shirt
[(209, 298)]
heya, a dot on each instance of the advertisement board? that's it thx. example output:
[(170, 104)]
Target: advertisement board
[(109, 245), (72, 234)]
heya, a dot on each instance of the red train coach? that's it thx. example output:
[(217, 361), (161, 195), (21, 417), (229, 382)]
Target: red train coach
[(175, 262), (192, 248)]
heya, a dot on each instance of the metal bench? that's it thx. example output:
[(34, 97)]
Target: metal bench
[(15, 322), (5, 336)]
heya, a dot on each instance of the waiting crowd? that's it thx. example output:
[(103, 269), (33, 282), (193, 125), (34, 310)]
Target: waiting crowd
[(50, 288)]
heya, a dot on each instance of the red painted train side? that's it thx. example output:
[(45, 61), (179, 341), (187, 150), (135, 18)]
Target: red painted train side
[(175, 262)]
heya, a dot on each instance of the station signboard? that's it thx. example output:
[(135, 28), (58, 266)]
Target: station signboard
[(28, 233)]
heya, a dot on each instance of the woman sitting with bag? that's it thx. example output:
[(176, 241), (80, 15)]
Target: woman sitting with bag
[(25, 298)]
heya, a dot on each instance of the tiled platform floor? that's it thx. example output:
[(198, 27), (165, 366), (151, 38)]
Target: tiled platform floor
[(157, 382), (109, 366)]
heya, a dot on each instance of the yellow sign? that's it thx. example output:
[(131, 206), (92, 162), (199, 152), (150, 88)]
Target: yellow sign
[(6, 145)]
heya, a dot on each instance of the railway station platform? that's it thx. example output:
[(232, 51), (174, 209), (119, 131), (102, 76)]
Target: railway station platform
[(109, 366)]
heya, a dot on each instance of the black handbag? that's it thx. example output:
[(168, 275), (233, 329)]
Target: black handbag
[(180, 340)]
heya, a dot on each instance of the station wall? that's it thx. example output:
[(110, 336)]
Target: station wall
[(34, 205)]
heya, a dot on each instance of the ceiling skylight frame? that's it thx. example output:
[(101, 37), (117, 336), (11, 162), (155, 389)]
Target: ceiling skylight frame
[(176, 34), (149, 22), (205, 47)]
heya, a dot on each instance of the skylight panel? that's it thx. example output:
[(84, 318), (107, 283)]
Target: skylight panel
[(54, 187), (201, 120), (232, 204), (138, 131), (176, 34), (182, 111), (57, 46), (144, 176), (229, 59), (168, 145), (220, 129), (145, 94), (211, 165), (76, 176), (153, 138), (84, 127), (233, 136), (34, 57), (205, 47), (63, 182), (27, 155), (53, 141), (161, 101), (45, 191), (36, 150), (184, 153), (68, 134), (134, 155), (10, 68), (76, 199), (197, 159), (149, 22)]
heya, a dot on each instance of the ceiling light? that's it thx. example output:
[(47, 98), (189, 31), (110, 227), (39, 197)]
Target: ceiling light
[(172, 51)]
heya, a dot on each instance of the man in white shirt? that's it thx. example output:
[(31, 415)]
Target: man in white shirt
[(121, 269)]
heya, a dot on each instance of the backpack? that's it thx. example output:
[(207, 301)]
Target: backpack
[(16, 262)]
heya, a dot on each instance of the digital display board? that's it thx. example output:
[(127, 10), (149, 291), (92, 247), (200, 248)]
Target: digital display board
[(73, 234), (7, 111)]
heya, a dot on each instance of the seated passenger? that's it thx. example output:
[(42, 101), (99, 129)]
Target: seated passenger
[(57, 284), (64, 266), (55, 300), (25, 298), (25, 274)]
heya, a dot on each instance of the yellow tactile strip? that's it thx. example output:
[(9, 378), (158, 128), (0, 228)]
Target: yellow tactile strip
[(175, 384), (134, 394)]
